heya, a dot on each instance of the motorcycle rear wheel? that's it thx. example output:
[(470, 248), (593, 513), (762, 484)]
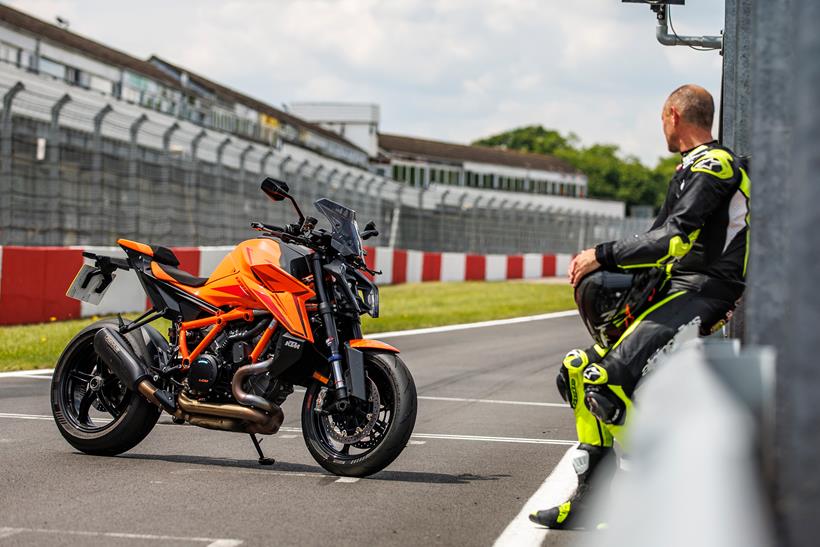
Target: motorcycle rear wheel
[(94, 412), (388, 436)]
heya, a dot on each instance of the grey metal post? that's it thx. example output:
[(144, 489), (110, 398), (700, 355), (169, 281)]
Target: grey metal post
[(167, 135), (772, 118), (282, 165), (420, 221), (263, 162), (58, 224), (379, 202), (7, 163), (191, 194), (6, 135), (798, 414), (97, 181), (442, 220), (242, 167), (736, 105), (240, 193), (395, 219), (139, 194), (220, 151), (133, 149), (476, 233)]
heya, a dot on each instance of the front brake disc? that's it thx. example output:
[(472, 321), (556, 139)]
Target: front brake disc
[(341, 430)]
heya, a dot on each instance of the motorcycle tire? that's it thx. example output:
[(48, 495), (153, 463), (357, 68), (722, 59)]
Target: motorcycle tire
[(132, 417), (388, 437)]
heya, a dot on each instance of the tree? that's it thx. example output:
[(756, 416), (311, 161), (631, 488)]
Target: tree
[(610, 175)]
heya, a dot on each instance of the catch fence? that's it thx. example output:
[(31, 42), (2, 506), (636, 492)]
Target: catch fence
[(78, 168)]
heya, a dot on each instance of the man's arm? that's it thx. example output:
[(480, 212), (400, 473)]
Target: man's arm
[(712, 182)]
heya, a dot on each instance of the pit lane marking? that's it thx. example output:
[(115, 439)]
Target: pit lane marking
[(555, 489), (415, 436), (211, 542)]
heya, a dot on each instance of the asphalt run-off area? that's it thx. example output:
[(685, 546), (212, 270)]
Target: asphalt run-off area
[(491, 430)]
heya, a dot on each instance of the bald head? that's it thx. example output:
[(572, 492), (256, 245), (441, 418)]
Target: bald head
[(694, 104)]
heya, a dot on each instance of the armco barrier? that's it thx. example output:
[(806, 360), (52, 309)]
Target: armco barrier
[(33, 280)]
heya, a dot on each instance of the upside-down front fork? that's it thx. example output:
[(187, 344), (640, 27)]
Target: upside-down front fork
[(342, 397)]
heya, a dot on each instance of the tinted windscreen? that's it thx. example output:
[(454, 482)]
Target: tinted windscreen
[(346, 239)]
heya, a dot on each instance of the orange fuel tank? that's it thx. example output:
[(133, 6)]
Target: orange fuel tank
[(263, 274)]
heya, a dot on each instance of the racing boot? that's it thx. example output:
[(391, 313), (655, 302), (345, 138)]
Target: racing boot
[(587, 461)]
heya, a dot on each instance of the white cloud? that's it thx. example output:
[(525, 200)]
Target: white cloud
[(449, 69)]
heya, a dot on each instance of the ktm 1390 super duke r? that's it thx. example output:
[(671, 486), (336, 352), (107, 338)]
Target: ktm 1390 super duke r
[(280, 310)]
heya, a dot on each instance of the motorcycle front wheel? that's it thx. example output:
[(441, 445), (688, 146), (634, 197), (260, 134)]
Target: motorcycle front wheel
[(367, 438)]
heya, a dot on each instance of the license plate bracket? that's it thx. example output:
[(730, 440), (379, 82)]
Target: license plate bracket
[(90, 284)]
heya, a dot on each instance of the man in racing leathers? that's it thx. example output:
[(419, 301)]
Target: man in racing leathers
[(700, 238)]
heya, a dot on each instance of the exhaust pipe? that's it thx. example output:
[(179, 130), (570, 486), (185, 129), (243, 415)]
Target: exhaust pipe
[(131, 371), (250, 420), (134, 374)]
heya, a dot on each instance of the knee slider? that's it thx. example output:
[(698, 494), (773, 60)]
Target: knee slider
[(604, 405), (575, 360)]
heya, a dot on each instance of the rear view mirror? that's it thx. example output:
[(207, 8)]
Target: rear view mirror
[(277, 190)]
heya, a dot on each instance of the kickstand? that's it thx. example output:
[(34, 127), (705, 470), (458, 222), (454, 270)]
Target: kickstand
[(262, 459)]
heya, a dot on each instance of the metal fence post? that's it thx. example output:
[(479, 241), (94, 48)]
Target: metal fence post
[(97, 179), (6, 162), (134, 183), (420, 221), (190, 193), (166, 150), (58, 225), (263, 162), (442, 216), (380, 214), (476, 233), (395, 218)]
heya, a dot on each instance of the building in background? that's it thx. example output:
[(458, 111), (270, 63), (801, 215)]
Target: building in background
[(422, 162), (54, 52)]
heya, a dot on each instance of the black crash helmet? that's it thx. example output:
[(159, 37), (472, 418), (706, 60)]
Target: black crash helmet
[(601, 297)]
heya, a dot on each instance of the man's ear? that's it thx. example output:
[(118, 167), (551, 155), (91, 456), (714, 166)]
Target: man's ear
[(674, 115)]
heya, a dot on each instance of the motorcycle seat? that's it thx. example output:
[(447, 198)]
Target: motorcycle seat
[(174, 274), (158, 253)]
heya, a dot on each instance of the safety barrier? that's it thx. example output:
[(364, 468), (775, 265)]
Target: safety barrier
[(33, 280)]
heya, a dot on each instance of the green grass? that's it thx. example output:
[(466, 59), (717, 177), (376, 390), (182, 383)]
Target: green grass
[(402, 307), (434, 304)]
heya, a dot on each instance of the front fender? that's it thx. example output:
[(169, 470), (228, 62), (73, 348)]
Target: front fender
[(362, 344)]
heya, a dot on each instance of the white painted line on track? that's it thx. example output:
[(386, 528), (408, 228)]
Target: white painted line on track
[(350, 480), (479, 325), (557, 487), (211, 542), (417, 442), (47, 372), (25, 416), (490, 401), (439, 436), (43, 372)]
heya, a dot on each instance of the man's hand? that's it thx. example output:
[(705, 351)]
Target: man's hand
[(582, 264)]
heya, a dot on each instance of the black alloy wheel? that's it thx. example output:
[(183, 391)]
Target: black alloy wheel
[(93, 410), (370, 435)]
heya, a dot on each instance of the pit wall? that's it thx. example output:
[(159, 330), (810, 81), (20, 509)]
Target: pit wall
[(33, 280)]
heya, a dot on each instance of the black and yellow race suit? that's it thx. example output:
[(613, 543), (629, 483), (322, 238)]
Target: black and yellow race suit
[(701, 239)]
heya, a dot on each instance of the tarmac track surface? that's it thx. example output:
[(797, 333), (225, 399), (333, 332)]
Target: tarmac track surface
[(467, 472)]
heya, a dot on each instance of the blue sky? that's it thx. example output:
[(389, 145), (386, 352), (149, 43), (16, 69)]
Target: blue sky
[(452, 70)]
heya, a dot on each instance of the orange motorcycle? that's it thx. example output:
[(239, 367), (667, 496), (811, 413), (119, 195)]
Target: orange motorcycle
[(279, 311)]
